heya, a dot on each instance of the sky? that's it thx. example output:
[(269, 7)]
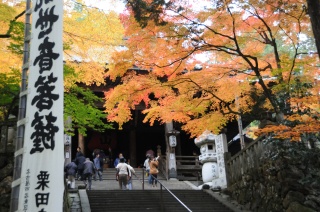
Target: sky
[(107, 5)]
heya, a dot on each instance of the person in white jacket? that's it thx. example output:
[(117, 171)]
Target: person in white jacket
[(131, 172), (122, 174)]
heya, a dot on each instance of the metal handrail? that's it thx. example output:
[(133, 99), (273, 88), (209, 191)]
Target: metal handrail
[(161, 185), (138, 178)]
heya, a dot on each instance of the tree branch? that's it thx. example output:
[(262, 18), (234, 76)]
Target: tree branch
[(8, 33)]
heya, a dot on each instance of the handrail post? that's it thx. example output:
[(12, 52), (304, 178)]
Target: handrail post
[(143, 178), (161, 198)]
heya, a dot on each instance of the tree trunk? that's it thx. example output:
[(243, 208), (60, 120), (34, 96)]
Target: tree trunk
[(81, 143), (314, 13)]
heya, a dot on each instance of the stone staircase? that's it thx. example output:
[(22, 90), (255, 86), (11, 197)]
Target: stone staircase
[(106, 196), (151, 200)]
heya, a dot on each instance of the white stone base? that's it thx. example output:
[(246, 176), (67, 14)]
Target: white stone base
[(209, 183), (219, 182), (209, 171), (216, 183)]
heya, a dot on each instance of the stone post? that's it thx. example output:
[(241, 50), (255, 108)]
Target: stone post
[(4, 138), (213, 149), (221, 149), (170, 153), (67, 149), (68, 157), (206, 143)]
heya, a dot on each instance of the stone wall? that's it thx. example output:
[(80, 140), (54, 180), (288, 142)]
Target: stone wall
[(7, 133), (277, 176), (6, 173), (7, 141)]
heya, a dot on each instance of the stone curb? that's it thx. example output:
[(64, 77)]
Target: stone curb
[(85, 205)]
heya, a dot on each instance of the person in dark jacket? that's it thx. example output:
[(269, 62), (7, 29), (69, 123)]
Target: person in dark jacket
[(88, 171), (79, 161), (98, 165), (78, 152), (117, 160), (71, 170)]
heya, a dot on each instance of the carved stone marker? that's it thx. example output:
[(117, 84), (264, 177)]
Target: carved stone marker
[(212, 148)]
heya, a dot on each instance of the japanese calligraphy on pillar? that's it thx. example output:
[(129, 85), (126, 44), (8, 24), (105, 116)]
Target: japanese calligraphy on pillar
[(42, 181), (221, 148)]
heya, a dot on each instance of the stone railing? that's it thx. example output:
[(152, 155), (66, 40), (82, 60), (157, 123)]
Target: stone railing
[(245, 161)]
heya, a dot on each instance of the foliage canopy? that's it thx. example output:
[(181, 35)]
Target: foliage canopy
[(209, 63), (88, 40)]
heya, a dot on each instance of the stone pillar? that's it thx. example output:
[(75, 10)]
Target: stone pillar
[(67, 149), (170, 153), (4, 138), (68, 157), (221, 149), (178, 147), (12, 134)]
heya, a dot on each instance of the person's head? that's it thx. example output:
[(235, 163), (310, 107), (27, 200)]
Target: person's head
[(120, 155), (79, 149), (151, 157), (97, 155), (121, 160)]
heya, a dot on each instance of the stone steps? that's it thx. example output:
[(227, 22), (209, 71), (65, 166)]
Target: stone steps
[(110, 174), (150, 200)]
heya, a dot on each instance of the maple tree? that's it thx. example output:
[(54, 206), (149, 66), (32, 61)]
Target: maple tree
[(80, 105), (9, 93), (11, 24), (90, 35), (206, 64), (11, 29)]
